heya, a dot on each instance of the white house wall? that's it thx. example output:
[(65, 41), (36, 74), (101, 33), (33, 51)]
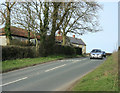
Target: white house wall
[(81, 46), (3, 40), (19, 38)]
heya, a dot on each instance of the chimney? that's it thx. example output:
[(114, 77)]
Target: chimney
[(59, 33), (73, 36)]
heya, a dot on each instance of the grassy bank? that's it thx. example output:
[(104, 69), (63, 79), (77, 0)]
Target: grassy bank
[(9, 65), (104, 78)]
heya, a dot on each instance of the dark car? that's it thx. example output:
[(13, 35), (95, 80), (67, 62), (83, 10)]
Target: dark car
[(96, 53), (104, 54)]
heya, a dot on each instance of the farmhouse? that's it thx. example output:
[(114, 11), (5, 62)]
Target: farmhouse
[(17, 33), (72, 41), (22, 35)]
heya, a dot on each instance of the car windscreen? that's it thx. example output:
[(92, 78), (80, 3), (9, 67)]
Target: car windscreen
[(95, 51), (98, 50)]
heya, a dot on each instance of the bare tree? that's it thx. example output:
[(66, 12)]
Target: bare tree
[(24, 16), (58, 16), (42, 12), (33, 16), (81, 18), (5, 11), (43, 17)]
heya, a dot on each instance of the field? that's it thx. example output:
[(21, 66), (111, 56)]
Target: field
[(103, 78)]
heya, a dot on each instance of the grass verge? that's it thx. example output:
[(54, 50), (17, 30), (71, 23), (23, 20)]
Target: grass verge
[(103, 78), (10, 65)]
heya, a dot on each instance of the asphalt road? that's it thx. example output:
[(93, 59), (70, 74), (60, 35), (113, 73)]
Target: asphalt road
[(52, 76)]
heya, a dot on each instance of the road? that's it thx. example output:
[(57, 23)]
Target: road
[(53, 76)]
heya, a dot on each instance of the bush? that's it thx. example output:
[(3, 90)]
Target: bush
[(18, 52), (49, 47), (45, 49), (15, 52), (66, 50), (20, 43), (56, 50), (78, 51)]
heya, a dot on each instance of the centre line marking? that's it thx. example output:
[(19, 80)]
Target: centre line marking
[(76, 61), (54, 68), (13, 81)]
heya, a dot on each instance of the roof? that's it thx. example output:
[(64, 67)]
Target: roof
[(76, 41), (18, 32), (71, 40)]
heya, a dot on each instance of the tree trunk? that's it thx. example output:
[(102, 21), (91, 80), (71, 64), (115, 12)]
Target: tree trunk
[(64, 37), (64, 40), (37, 47), (55, 14), (43, 46), (52, 39), (28, 37), (7, 25), (8, 41)]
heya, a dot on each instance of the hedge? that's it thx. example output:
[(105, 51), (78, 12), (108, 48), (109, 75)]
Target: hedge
[(15, 52), (18, 52), (20, 43), (78, 51), (66, 50)]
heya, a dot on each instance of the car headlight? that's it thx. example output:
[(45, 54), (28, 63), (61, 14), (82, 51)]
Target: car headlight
[(100, 55), (91, 54)]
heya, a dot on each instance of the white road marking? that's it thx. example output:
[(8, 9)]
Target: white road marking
[(54, 68), (13, 81), (76, 61), (84, 59)]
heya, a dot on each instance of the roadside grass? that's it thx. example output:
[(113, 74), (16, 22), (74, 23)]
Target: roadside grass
[(10, 65), (103, 78)]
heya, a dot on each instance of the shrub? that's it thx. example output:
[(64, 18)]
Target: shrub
[(17, 52), (49, 47), (14, 52), (21, 43), (78, 51), (66, 50), (57, 50)]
